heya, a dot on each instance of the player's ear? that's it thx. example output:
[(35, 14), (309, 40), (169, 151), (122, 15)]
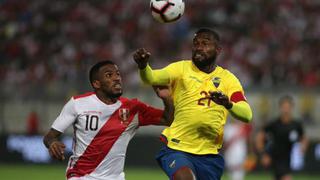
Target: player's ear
[(96, 84), (219, 49)]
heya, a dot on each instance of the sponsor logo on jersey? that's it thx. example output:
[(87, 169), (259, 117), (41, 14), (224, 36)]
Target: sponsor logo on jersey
[(124, 115), (177, 141), (293, 136), (172, 164), (92, 112), (216, 81), (195, 78)]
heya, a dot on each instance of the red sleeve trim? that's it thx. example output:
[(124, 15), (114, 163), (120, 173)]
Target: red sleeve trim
[(83, 95), (238, 96)]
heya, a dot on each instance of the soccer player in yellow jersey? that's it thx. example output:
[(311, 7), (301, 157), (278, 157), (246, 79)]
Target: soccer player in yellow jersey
[(204, 93)]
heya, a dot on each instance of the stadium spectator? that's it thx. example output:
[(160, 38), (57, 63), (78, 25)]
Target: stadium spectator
[(33, 123), (103, 124), (49, 44)]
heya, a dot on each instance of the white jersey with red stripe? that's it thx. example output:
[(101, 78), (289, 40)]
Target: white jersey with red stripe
[(101, 134)]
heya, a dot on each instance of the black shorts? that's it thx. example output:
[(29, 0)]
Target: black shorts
[(280, 168)]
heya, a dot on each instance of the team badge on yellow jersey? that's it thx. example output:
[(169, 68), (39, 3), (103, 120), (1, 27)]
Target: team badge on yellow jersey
[(216, 81)]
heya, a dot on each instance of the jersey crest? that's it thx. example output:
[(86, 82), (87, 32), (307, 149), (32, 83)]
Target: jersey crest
[(216, 81), (124, 114)]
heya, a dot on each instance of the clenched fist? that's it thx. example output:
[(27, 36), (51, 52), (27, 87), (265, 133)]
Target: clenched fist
[(56, 150), (221, 99), (141, 57)]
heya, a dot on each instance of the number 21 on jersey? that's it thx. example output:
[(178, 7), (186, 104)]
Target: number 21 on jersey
[(204, 100)]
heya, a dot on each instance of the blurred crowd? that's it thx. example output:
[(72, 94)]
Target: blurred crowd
[(46, 47)]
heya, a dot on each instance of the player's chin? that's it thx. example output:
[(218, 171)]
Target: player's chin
[(117, 93), (198, 59)]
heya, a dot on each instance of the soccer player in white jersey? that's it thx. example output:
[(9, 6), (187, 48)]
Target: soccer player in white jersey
[(103, 123)]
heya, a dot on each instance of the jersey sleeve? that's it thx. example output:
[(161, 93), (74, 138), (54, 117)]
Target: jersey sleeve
[(162, 76), (148, 115), (67, 116), (240, 109), (300, 130), (269, 135), (235, 91)]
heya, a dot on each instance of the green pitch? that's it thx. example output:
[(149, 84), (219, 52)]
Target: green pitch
[(56, 172)]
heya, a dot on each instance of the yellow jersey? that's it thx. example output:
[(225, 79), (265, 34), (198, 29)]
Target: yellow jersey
[(198, 122)]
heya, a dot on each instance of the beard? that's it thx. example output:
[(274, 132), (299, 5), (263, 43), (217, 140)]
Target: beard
[(204, 62), (115, 95), (111, 94)]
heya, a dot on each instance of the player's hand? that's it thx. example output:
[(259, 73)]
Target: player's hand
[(163, 92), (141, 57), (266, 160), (221, 99), (56, 150)]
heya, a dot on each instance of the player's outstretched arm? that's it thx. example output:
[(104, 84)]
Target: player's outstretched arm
[(141, 57), (261, 148), (55, 147), (259, 141), (163, 92), (304, 143), (147, 74), (239, 110)]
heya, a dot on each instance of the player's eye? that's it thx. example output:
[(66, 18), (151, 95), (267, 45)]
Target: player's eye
[(206, 42)]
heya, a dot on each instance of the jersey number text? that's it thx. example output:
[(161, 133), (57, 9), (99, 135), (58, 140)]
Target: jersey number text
[(204, 100), (92, 122)]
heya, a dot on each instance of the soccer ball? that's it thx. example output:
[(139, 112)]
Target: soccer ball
[(166, 11)]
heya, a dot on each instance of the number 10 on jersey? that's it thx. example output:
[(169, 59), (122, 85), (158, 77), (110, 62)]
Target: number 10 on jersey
[(92, 122)]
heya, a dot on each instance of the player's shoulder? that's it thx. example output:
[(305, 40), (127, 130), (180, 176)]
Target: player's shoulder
[(84, 96), (225, 73), (186, 62), (133, 101), (296, 122), (273, 123), (124, 99), (181, 63)]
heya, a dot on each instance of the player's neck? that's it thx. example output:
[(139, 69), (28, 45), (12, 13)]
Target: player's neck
[(208, 69), (286, 119), (106, 99)]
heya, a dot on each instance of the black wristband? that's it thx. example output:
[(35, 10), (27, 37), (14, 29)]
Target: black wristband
[(229, 105), (141, 67)]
